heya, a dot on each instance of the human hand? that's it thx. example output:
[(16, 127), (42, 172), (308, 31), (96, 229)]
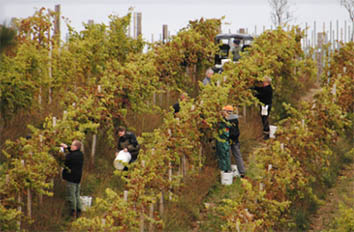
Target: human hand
[(64, 145)]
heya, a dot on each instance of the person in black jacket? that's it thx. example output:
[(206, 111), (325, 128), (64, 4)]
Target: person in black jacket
[(128, 142), (176, 106), (72, 173), (265, 95)]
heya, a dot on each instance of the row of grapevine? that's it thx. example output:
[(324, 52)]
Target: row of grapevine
[(300, 159), (181, 137), (97, 75)]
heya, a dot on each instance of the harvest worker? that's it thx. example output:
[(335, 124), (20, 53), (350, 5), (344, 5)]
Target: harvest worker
[(127, 142), (176, 106), (265, 95), (72, 173), (209, 72), (234, 133), (222, 143), (236, 50)]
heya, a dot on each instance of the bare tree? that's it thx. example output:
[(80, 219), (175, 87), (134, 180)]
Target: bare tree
[(349, 6), (280, 13)]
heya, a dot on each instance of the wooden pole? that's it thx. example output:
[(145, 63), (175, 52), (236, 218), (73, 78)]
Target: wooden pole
[(29, 203), (255, 30), (244, 113), (337, 28), (154, 98), (29, 199), (40, 195), (142, 219), (164, 33), (161, 204), (151, 215), (125, 195), (331, 35), (57, 25), (200, 156), (139, 27), (93, 148), (345, 31), (19, 200), (83, 146), (184, 166), (306, 36), (170, 179), (135, 25), (54, 121), (19, 208), (314, 33)]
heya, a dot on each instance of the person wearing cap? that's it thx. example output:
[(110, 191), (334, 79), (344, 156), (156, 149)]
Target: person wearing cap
[(234, 134), (236, 50), (265, 95), (72, 174), (222, 143), (208, 74)]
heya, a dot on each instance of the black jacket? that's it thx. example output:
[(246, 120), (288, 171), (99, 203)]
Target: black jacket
[(176, 107), (74, 162), (234, 131), (264, 94), (129, 141)]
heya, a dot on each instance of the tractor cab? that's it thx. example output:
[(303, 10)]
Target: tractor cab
[(227, 47)]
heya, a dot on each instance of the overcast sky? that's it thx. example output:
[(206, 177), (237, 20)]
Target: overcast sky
[(251, 14)]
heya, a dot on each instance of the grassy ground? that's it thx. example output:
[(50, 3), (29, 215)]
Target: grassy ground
[(338, 201)]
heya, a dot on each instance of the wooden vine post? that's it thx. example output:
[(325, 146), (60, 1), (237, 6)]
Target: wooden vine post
[(29, 202), (142, 217), (151, 215), (40, 196)]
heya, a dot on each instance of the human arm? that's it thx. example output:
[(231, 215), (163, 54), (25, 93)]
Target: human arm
[(133, 145)]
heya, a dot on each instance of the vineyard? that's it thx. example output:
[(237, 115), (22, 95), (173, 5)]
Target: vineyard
[(53, 92)]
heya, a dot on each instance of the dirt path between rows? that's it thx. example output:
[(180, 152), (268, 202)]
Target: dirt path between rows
[(341, 193)]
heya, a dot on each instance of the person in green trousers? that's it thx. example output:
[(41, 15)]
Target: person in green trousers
[(222, 143)]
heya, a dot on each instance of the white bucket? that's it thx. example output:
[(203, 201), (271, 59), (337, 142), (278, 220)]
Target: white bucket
[(122, 158), (234, 170), (272, 130), (226, 178), (86, 202)]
